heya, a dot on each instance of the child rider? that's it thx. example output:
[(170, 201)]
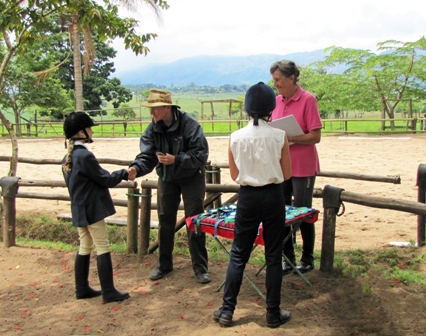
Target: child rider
[(91, 202)]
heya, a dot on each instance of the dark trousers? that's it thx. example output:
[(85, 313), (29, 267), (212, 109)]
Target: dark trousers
[(168, 199), (256, 205), (302, 191)]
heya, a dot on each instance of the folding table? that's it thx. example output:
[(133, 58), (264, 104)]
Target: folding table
[(219, 222)]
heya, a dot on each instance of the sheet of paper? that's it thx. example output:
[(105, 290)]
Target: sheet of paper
[(287, 124)]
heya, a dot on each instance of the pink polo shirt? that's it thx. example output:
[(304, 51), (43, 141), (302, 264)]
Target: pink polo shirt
[(304, 107)]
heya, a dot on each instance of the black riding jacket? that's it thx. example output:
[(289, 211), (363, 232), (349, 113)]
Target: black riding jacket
[(184, 139)]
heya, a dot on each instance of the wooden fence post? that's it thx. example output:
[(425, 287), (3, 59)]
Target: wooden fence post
[(181, 222), (145, 221), (216, 180), (331, 203), (209, 180), (414, 124), (132, 220), (421, 197), (9, 189)]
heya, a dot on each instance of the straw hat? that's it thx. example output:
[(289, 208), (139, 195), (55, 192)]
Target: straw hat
[(158, 97)]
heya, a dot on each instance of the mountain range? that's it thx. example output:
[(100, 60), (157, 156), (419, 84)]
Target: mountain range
[(213, 70)]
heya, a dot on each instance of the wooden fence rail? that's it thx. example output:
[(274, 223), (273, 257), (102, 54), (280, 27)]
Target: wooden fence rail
[(331, 204), (395, 179), (117, 162), (134, 128)]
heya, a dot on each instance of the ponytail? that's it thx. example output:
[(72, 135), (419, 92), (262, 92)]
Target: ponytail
[(256, 119), (66, 167)]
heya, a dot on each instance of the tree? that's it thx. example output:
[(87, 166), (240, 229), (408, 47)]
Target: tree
[(125, 111), (22, 88), (18, 31), (112, 90), (236, 107), (332, 91), (100, 72), (98, 86), (86, 18), (23, 23), (386, 79)]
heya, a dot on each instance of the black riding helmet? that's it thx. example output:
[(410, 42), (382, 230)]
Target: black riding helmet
[(259, 101), (75, 122)]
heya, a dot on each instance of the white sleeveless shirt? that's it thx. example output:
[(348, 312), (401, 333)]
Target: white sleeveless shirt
[(257, 154)]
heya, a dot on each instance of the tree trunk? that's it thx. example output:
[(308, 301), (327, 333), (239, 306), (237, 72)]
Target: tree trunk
[(14, 159), (3, 66), (78, 77), (17, 123), (391, 116)]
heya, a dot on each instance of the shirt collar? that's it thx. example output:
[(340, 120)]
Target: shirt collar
[(296, 95), (80, 143)]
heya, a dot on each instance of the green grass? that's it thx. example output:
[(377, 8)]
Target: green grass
[(364, 125), (213, 128), (222, 125), (399, 265), (191, 103), (395, 264), (46, 244)]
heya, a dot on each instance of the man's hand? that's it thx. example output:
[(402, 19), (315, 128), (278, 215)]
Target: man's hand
[(166, 159), (132, 173)]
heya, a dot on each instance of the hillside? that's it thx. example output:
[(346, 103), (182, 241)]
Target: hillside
[(213, 70)]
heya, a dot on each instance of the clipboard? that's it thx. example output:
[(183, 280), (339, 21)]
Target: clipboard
[(287, 124)]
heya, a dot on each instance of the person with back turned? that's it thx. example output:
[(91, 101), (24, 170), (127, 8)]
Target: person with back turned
[(259, 161)]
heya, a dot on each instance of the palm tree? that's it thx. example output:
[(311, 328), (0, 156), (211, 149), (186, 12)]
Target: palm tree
[(26, 23), (75, 28), (78, 79)]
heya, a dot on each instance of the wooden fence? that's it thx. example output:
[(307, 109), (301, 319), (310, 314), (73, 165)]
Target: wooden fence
[(333, 197), (134, 128)]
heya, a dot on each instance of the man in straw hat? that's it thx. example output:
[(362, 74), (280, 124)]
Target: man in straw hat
[(174, 144)]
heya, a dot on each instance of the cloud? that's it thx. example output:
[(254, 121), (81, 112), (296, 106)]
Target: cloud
[(242, 27)]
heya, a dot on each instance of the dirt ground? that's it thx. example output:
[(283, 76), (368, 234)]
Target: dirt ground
[(37, 285)]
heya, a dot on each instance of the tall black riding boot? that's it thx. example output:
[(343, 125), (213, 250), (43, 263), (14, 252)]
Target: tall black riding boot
[(81, 272), (109, 293), (307, 231)]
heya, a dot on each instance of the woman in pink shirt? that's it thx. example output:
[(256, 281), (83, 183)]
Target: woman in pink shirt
[(293, 100)]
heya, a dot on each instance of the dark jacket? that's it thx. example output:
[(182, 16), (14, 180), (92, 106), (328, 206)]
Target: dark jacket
[(184, 139), (88, 185)]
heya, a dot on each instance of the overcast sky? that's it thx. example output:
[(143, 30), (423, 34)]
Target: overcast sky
[(249, 27)]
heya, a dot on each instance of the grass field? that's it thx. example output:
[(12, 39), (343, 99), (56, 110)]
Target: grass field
[(116, 128), (368, 122)]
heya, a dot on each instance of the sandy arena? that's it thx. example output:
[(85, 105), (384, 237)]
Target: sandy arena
[(37, 286)]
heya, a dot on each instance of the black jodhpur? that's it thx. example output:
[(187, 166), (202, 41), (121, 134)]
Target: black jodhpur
[(255, 205), (302, 189), (168, 199)]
